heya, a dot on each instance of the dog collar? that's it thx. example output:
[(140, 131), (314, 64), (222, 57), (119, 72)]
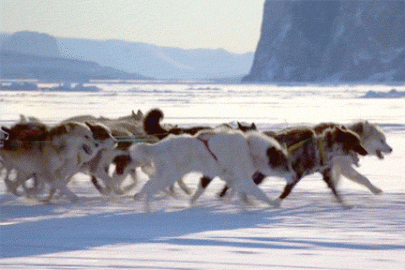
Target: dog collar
[(205, 142)]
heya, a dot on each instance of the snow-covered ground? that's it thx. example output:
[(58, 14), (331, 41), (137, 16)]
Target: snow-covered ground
[(309, 231)]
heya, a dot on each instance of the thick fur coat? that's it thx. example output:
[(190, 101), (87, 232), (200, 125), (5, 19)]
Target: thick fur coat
[(232, 155)]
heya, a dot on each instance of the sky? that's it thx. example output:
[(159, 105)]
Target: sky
[(233, 25)]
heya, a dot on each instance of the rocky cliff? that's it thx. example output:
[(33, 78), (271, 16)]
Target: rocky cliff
[(331, 41)]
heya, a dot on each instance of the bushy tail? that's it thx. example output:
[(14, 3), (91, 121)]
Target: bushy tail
[(151, 123)]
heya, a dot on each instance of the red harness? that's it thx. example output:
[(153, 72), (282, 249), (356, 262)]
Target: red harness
[(209, 150)]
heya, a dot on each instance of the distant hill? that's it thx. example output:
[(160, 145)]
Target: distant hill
[(32, 55), (158, 62), (134, 58), (34, 43), (15, 65)]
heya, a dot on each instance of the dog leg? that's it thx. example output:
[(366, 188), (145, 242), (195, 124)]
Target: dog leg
[(37, 186), (355, 176), (224, 191), (249, 187), (20, 180), (289, 187), (48, 199), (327, 177), (61, 186), (134, 178), (184, 187), (257, 177), (152, 187), (119, 178), (204, 182), (11, 185), (97, 185)]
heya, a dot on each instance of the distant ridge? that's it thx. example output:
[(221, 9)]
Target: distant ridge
[(32, 55), (14, 65), (136, 58), (34, 43), (158, 62)]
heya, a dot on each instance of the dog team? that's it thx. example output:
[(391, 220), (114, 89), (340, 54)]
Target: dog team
[(35, 157)]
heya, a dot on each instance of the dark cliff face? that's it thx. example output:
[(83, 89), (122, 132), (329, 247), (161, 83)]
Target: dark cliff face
[(336, 41)]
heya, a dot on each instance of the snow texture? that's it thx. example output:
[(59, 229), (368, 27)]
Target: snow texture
[(309, 231)]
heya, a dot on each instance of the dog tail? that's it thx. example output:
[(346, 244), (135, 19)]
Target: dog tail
[(151, 123)]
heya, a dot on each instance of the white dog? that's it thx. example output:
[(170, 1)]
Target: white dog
[(56, 157), (232, 155)]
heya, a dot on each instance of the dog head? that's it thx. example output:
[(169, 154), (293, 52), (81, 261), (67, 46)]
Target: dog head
[(372, 138), (102, 135), (138, 116), (245, 127), (269, 157), (349, 140)]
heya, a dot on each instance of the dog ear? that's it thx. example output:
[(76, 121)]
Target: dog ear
[(6, 130), (366, 127), (253, 126), (23, 119), (89, 125), (68, 127)]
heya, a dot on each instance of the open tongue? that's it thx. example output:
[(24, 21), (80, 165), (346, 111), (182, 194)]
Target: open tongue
[(379, 155)]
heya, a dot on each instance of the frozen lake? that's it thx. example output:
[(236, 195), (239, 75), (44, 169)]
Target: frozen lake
[(309, 231)]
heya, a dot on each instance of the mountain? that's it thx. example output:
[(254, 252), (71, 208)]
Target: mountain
[(138, 58), (158, 62), (32, 55), (27, 42), (16, 65), (331, 41)]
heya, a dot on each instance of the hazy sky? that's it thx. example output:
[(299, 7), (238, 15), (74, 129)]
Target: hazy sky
[(233, 25)]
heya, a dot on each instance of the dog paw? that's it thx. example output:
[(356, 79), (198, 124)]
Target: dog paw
[(74, 199), (347, 206), (377, 191), (277, 203)]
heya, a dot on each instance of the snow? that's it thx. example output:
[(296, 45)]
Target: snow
[(309, 231)]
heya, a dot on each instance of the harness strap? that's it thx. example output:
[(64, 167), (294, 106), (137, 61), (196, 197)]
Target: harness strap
[(298, 145), (321, 148), (205, 142), (322, 151)]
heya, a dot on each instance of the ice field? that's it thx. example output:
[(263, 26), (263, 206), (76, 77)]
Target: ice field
[(309, 231)]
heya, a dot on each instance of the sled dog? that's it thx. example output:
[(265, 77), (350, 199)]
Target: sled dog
[(310, 152), (375, 143), (232, 155), (125, 130), (152, 126), (55, 155)]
